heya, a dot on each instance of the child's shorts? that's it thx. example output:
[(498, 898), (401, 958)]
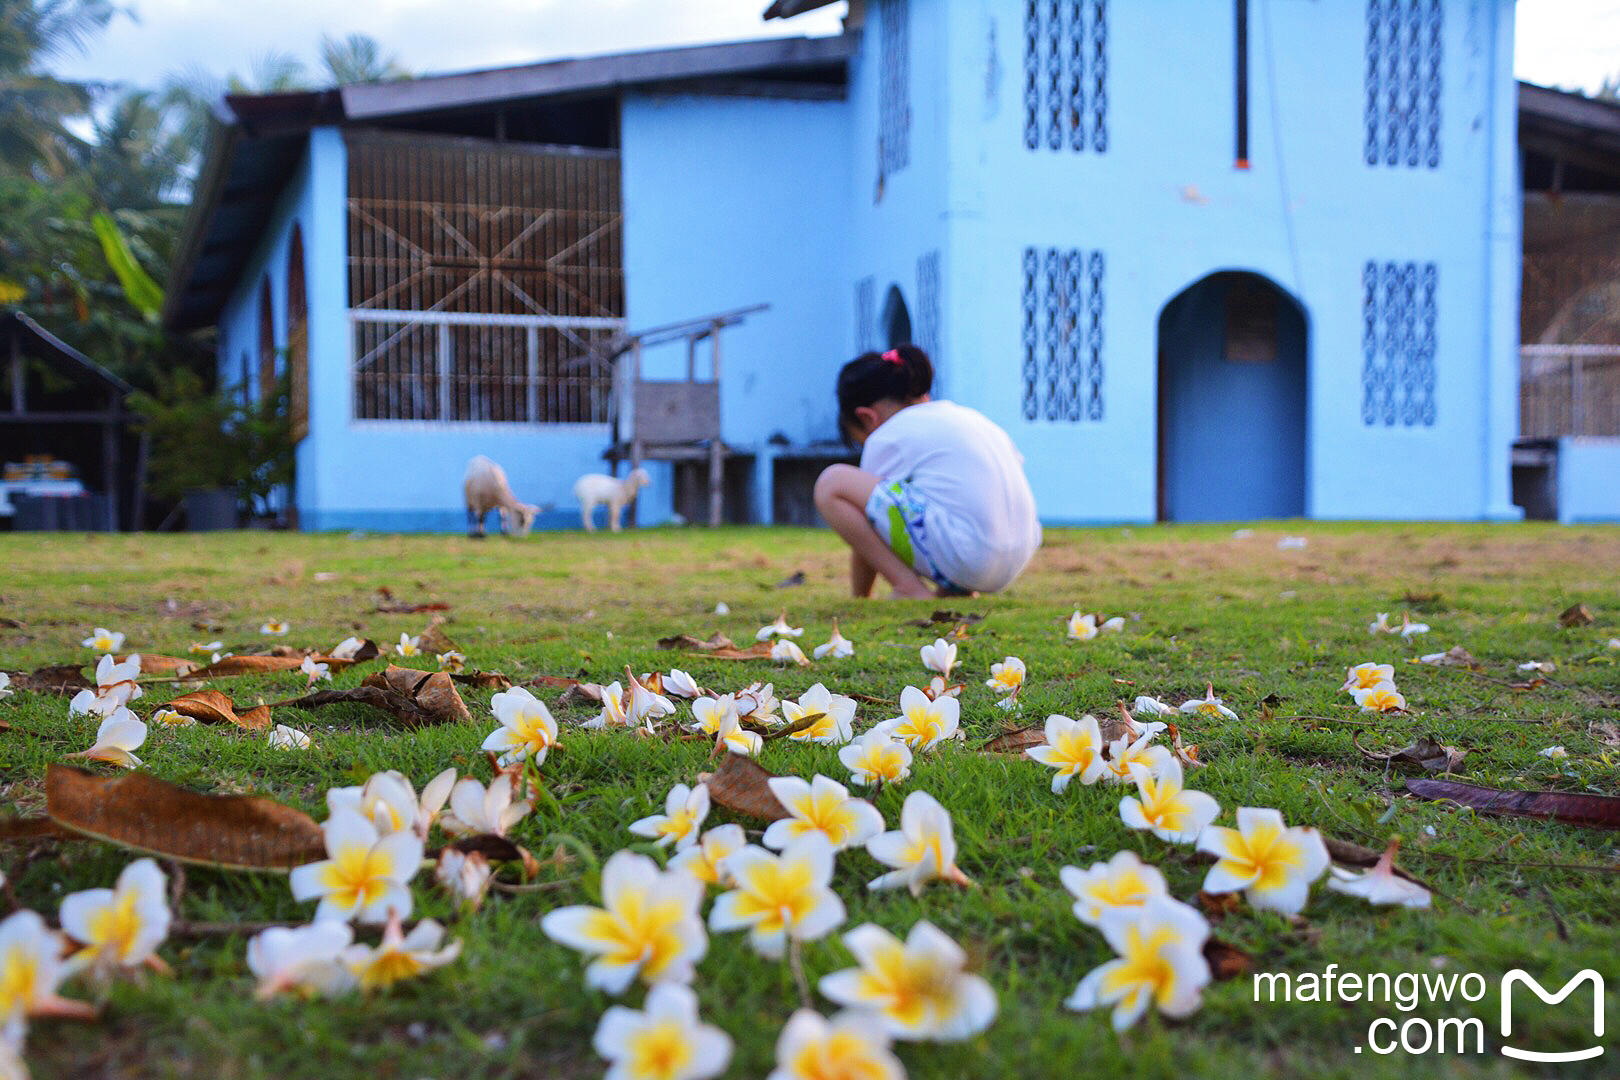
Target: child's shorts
[(896, 512)]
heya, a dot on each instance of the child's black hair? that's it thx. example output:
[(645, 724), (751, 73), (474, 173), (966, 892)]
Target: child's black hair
[(901, 374)]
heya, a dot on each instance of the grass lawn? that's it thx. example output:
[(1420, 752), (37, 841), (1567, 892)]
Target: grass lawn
[(1272, 630)]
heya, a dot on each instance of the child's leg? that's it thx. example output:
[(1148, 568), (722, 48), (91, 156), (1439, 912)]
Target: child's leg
[(841, 495)]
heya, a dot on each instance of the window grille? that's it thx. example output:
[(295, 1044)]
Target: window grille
[(1399, 312), (1066, 75), (1062, 334)]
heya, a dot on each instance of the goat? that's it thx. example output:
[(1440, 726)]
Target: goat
[(593, 489), (486, 489)]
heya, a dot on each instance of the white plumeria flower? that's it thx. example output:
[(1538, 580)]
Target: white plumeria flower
[(1073, 748), (645, 706), (282, 737), (305, 960), (452, 660), (275, 628), (1160, 963), (705, 860), (408, 645), (875, 758), (118, 736), (923, 723), (836, 725), (918, 989), (838, 646), (937, 689), (1435, 658), (31, 968), (115, 687), (1146, 728), (1123, 882), (921, 850), (1006, 677), (1365, 676), (171, 718), (476, 810), (389, 801), (709, 713), (12, 1033), (1382, 697), (684, 811), (1409, 628), (784, 651), (464, 875), (681, 684), (615, 708), (1152, 706), (199, 648), (648, 925), (1545, 667), (663, 1041), (5, 685), (121, 927), (1292, 543), (1614, 643), (734, 737), (1380, 624), (722, 608), (527, 730), (1082, 627), (940, 656), (777, 629), (1380, 885), (1112, 626), (822, 806), (347, 649), (366, 875), (777, 897), (1274, 865), (854, 1045), (1173, 813), (1126, 752), (757, 701), (400, 956), (103, 640), (1208, 705), (315, 671), (1554, 753)]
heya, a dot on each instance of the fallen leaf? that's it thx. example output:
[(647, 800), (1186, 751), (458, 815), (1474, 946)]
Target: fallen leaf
[(412, 609), (483, 680), (1420, 598), (1426, 753), (718, 646), (152, 664), (231, 666), (33, 828), (1530, 684), (54, 679), (1457, 656), (414, 698), (1016, 741), (1606, 733), (213, 707), (495, 849), (1226, 961), (434, 639), (1219, 905), (1575, 615), (140, 812), (868, 699), (1565, 807), (741, 785)]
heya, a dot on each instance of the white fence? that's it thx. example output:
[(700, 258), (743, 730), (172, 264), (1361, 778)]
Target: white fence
[(1569, 390)]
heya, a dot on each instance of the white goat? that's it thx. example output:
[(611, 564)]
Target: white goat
[(594, 489), (486, 489)]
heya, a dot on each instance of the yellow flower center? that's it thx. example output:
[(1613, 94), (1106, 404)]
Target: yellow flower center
[(1267, 852), (908, 990), (1143, 967), (777, 894), (1074, 750), (660, 1052), (530, 727), (388, 967), (357, 876), (1126, 890), (922, 725), (828, 814), (1383, 701), (17, 977), (113, 928), (636, 932), (840, 1056), (677, 824)]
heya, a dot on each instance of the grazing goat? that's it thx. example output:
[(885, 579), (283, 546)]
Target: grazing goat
[(486, 489), (593, 489)]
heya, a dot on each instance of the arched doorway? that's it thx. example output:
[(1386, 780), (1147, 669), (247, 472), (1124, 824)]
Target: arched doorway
[(1233, 351), (896, 319)]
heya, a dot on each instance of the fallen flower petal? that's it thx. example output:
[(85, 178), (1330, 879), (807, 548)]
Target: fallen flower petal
[(304, 960), (116, 738), (681, 684), (1555, 753), (121, 927), (400, 955), (1208, 705), (1082, 627), (940, 656), (171, 718), (476, 810), (705, 860), (836, 723), (779, 628), (782, 896), (283, 737), (1365, 676), (1380, 884), (1380, 698), (838, 646), (788, 652)]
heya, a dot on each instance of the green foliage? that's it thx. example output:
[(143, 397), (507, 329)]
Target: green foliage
[(139, 287)]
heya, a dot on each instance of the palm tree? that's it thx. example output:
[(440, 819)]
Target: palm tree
[(33, 103), (359, 59)]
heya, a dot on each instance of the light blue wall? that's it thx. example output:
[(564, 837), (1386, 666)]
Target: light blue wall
[(1588, 480)]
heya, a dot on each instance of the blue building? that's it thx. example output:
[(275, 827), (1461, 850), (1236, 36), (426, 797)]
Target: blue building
[(1203, 260)]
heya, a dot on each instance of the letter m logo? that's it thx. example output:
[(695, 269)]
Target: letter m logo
[(1518, 976)]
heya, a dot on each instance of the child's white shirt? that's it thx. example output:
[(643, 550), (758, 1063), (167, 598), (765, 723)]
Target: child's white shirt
[(979, 511)]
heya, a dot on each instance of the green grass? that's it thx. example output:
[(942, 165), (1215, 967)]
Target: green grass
[(1273, 630)]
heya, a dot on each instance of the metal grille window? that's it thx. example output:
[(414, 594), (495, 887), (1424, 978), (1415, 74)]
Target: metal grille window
[(1066, 75), (1404, 63), (1399, 312), (482, 279), (894, 119), (1063, 334), (865, 314), (928, 305)]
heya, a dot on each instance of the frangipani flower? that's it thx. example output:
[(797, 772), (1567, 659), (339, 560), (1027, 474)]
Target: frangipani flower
[(306, 960), (824, 807), (615, 708), (1545, 667), (1145, 728), (1122, 883), (400, 956), (734, 737), (119, 927), (777, 897), (475, 810), (31, 969), (757, 701), (1073, 748), (648, 925), (199, 648), (389, 801), (103, 640), (453, 660), (283, 737), (1554, 753), (918, 988), (1208, 705), (1124, 752), (705, 860), (171, 718), (1365, 676), (937, 689), (875, 758), (1161, 963), (115, 687), (527, 728), (1410, 628), (1007, 677), (722, 608), (787, 652), (1173, 813), (663, 1041), (465, 876), (1380, 885), (645, 706), (940, 656), (923, 723), (923, 849), (681, 684), (1382, 697), (1152, 706), (852, 1046), (1272, 863), (836, 725), (347, 649), (838, 646), (315, 671), (1082, 627), (709, 713), (1380, 624), (5, 685), (275, 628), (408, 645), (118, 735), (779, 628), (1112, 626), (684, 811), (366, 875)]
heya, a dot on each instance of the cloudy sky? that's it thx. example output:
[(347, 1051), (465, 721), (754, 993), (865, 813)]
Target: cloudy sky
[(1571, 43)]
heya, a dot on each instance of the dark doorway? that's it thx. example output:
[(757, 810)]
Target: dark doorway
[(896, 319)]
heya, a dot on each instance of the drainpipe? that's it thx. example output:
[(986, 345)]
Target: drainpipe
[(1503, 252)]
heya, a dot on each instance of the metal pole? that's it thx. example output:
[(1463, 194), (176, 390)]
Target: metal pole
[(1577, 396)]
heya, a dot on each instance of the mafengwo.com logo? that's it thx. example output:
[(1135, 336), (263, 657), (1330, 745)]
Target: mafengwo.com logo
[(1420, 1035)]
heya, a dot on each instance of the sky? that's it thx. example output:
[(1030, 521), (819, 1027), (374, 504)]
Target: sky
[(1568, 43)]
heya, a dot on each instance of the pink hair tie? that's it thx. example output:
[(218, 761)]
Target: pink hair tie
[(893, 356)]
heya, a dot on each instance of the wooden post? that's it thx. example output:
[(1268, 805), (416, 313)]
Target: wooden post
[(1577, 395), (18, 404), (109, 465), (717, 480), (138, 503)]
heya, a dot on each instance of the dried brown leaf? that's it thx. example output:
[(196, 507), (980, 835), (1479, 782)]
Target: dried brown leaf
[(153, 664), (1016, 741), (742, 786), (483, 680), (693, 643), (53, 679), (232, 666), (1219, 905), (1575, 615), (1226, 961), (1426, 753), (434, 692), (213, 707), (1565, 807), (433, 638)]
